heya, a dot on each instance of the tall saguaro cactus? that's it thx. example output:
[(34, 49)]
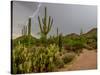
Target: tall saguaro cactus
[(81, 31), (24, 33), (29, 31), (24, 30), (45, 26), (60, 42), (57, 31), (29, 26)]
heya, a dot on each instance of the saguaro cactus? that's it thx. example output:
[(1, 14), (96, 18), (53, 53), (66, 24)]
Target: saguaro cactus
[(81, 31), (24, 33), (29, 31), (45, 26), (60, 42), (57, 31), (24, 30), (29, 26)]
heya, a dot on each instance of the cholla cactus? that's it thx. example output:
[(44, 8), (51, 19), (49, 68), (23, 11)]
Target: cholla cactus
[(45, 26)]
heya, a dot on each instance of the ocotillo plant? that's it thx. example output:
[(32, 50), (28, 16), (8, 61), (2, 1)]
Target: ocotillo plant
[(45, 26), (60, 42)]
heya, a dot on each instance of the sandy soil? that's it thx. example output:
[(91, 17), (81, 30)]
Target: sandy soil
[(86, 60)]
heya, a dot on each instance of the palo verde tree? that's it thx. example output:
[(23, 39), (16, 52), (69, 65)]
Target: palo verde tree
[(45, 25)]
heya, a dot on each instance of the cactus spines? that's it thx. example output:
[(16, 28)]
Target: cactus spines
[(29, 26), (44, 26)]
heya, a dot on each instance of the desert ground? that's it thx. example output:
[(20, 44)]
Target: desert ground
[(86, 60)]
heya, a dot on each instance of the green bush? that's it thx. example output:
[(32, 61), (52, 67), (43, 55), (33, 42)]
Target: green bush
[(59, 63), (68, 57), (74, 44)]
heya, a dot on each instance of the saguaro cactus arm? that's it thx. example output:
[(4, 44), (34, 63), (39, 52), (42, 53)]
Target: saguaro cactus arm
[(50, 22), (40, 24)]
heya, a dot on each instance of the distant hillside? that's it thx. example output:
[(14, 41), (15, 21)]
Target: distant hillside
[(72, 35), (94, 30), (91, 33), (87, 40), (88, 34), (24, 39)]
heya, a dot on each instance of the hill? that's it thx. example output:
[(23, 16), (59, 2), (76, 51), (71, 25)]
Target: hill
[(87, 40), (90, 34), (72, 35), (26, 40)]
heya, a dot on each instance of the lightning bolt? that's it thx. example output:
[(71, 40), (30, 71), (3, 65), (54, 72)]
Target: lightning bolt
[(37, 10)]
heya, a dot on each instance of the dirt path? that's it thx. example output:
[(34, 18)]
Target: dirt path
[(86, 60)]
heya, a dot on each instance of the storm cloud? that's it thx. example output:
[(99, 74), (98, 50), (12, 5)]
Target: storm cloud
[(68, 18)]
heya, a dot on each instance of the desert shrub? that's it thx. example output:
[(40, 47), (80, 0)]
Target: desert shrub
[(92, 41), (74, 45), (68, 57), (59, 63), (36, 59), (52, 40)]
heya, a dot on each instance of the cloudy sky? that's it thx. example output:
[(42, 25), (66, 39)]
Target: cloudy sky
[(68, 18)]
